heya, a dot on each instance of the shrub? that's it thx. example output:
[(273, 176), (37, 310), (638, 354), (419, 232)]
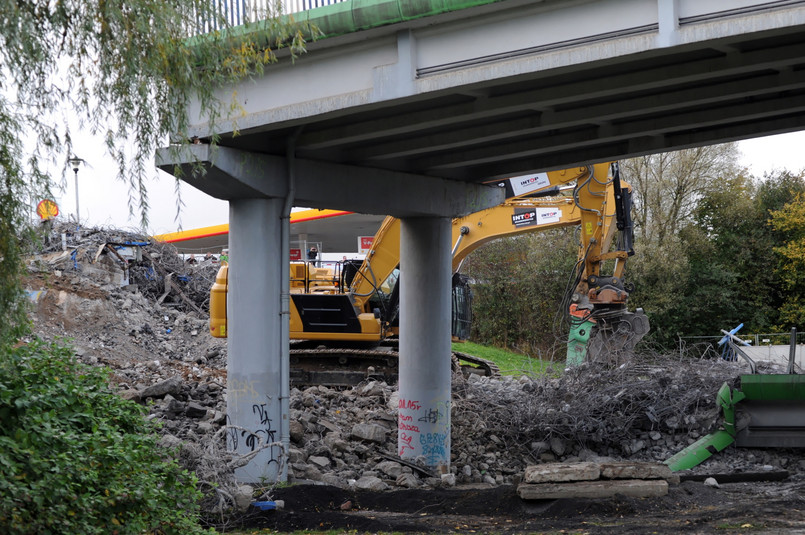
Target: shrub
[(77, 458)]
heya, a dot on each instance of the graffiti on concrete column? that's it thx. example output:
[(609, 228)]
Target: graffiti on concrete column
[(434, 447), (432, 416), (257, 438)]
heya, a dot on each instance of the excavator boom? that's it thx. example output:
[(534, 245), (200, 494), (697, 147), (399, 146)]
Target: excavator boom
[(358, 304)]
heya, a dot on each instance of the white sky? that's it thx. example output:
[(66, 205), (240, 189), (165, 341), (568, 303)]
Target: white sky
[(103, 200)]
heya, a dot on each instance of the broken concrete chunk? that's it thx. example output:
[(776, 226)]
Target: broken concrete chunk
[(168, 386), (297, 431), (373, 388), (244, 496), (557, 446), (410, 481), (558, 472), (635, 470), (711, 482), (449, 480), (130, 395), (330, 426), (390, 468), (195, 410), (638, 488), (369, 432), (370, 483), (319, 461)]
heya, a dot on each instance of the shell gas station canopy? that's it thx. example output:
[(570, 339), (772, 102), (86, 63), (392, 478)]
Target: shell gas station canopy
[(335, 231)]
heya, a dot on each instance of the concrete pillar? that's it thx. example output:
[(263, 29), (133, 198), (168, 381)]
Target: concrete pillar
[(668, 19), (254, 379), (425, 306)]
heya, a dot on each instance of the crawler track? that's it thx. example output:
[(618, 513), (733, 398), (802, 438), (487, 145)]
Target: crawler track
[(343, 367)]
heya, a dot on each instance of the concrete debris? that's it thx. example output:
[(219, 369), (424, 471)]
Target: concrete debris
[(643, 411), (634, 470), (369, 432), (557, 472), (170, 386), (594, 489), (591, 480), (371, 483), (244, 496)]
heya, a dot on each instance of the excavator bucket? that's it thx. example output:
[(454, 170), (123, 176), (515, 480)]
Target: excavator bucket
[(615, 336)]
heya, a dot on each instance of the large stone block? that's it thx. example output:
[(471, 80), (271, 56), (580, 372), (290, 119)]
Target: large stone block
[(635, 488), (559, 472), (369, 432), (633, 470)]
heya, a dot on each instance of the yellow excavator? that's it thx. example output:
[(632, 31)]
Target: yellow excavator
[(353, 308)]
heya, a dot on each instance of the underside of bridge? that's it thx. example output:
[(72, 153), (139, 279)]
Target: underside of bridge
[(477, 117)]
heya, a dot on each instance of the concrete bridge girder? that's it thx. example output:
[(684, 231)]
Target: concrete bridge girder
[(536, 85), (230, 174)]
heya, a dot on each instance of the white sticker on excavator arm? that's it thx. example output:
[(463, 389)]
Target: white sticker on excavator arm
[(548, 215), (528, 217), (529, 183)]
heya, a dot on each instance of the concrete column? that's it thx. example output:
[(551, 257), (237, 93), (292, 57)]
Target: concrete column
[(254, 379), (668, 19), (425, 306)]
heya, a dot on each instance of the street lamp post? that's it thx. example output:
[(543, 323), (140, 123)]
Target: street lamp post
[(75, 162)]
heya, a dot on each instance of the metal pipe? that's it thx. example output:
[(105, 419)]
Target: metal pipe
[(285, 306), (463, 231), (792, 352)]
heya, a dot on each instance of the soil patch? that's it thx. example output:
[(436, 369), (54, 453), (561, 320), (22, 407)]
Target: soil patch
[(690, 507)]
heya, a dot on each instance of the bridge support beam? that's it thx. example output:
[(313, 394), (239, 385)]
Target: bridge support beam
[(254, 364), (425, 308)]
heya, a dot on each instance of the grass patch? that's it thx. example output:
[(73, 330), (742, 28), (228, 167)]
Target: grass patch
[(509, 363)]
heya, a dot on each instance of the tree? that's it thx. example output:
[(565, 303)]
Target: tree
[(668, 185), (719, 270), (127, 69), (76, 458), (790, 220)]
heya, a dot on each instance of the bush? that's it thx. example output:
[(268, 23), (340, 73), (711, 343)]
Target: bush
[(77, 458), (519, 285)]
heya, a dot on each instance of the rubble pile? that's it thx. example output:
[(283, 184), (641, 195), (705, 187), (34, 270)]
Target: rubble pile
[(162, 356), (120, 258)]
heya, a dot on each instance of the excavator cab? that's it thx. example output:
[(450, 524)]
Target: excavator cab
[(387, 302)]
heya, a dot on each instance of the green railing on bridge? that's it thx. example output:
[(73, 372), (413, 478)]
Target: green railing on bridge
[(334, 17)]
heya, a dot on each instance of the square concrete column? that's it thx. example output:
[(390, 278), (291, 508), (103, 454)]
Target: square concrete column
[(254, 321), (425, 306)]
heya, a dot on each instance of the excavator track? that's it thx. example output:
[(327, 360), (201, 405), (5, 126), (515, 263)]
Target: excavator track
[(470, 364), (345, 367)]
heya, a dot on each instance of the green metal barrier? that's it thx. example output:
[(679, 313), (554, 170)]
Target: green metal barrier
[(770, 409)]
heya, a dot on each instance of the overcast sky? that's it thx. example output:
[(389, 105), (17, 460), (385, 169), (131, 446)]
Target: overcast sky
[(103, 200)]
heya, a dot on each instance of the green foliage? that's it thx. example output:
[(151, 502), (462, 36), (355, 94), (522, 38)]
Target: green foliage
[(667, 187), (790, 221), (125, 69), (76, 458), (719, 270), (658, 273), (519, 283)]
